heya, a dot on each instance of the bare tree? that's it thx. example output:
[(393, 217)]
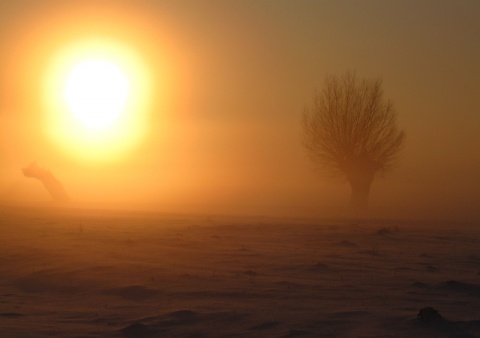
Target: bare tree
[(350, 130)]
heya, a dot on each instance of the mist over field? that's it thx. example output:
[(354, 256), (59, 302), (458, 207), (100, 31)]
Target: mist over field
[(239, 168), (230, 83)]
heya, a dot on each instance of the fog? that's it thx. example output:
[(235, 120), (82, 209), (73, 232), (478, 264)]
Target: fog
[(231, 81)]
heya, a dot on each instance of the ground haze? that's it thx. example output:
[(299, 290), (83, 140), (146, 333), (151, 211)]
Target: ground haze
[(198, 212), (122, 274)]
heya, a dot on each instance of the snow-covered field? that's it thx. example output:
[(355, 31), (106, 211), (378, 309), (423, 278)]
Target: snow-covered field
[(85, 273)]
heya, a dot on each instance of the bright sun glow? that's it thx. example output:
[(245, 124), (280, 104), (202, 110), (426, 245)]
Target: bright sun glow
[(97, 96), (96, 92)]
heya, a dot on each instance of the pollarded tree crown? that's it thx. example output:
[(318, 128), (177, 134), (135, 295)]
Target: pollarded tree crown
[(350, 122)]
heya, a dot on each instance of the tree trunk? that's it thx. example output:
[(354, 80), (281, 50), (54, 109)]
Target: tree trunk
[(360, 177), (360, 193)]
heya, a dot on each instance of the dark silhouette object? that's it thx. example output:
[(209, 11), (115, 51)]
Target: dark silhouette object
[(137, 330), (431, 318), (350, 130), (430, 315), (54, 187)]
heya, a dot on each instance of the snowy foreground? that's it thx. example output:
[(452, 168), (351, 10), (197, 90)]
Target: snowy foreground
[(73, 273)]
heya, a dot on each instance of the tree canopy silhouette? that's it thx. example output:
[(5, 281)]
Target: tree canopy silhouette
[(350, 130)]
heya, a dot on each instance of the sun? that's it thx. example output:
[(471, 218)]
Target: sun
[(96, 92), (97, 98)]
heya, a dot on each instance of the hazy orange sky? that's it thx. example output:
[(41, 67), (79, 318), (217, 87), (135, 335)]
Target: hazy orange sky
[(231, 79)]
